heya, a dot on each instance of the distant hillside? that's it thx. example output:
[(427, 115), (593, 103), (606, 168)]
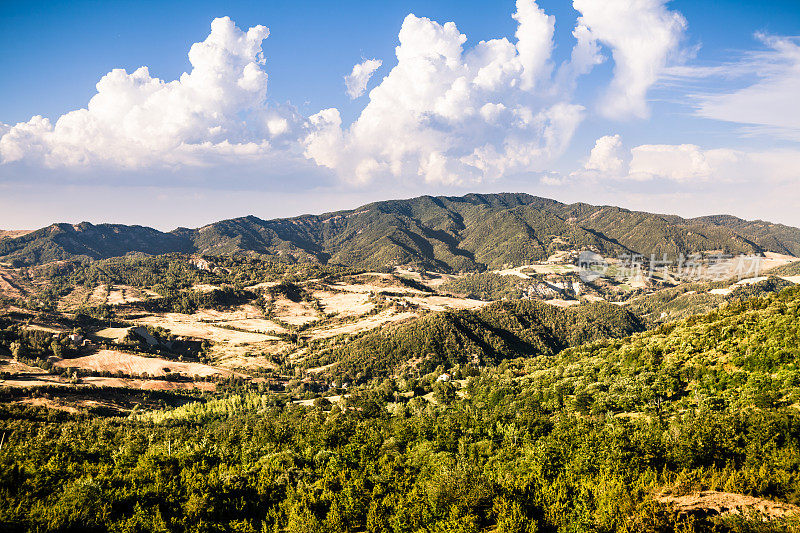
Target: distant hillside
[(503, 330), (772, 237), (469, 233), (88, 241), (12, 233)]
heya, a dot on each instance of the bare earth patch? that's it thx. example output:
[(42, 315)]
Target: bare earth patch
[(149, 384), (373, 287), (9, 286), (13, 233), (562, 303), (772, 260), (713, 502), (123, 294), (112, 334), (98, 296), (203, 325), (262, 285), (440, 303), (247, 317), (244, 359), (344, 303), (46, 329), (722, 292), (205, 287), (295, 313), (75, 299), (538, 268), (436, 280)]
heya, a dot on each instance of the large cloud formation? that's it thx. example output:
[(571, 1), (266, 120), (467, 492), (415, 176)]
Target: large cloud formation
[(444, 114), (454, 116), (136, 120)]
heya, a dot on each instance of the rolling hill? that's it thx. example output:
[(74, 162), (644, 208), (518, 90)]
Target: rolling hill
[(468, 233), (59, 242), (503, 330)]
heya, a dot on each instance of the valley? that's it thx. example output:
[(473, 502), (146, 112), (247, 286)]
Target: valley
[(290, 333), (671, 372)]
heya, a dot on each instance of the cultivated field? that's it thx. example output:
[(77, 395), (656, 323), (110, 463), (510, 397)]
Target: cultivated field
[(213, 326), (116, 361)]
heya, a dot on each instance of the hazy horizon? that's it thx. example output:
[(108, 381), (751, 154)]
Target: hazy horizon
[(345, 204)]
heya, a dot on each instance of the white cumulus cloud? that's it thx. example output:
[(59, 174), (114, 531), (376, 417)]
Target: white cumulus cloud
[(135, 120), (642, 36), (685, 163), (454, 116), (356, 81), (606, 155), (444, 114)]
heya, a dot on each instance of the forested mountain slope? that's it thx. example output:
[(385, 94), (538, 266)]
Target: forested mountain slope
[(471, 232), (503, 330), (767, 234)]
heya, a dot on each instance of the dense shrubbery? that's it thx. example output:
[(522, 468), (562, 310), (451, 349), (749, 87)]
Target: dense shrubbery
[(760, 288), (678, 302), (744, 355), (498, 460), (188, 302), (32, 346), (170, 274), (689, 299)]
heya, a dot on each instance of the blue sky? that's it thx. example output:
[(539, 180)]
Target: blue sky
[(699, 139)]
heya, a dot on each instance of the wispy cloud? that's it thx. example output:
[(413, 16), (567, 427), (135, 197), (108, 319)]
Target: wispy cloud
[(762, 91), (643, 35), (685, 163)]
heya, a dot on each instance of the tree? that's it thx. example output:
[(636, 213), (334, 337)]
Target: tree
[(444, 392)]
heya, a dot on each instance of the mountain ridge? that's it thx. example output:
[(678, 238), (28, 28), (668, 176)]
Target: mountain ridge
[(449, 233)]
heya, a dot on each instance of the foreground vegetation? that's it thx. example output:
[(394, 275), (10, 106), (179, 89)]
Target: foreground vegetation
[(498, 460), (589, 439)]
